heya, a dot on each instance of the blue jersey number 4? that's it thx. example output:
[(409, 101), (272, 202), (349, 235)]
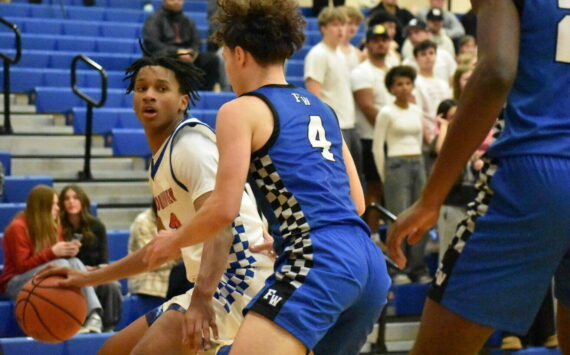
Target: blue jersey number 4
[(317, 137)]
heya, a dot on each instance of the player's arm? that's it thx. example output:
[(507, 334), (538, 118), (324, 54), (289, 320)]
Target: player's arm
[(356, 192), (365, 100), (484, 96)]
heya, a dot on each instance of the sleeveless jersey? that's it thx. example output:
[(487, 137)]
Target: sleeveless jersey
[(537, 115), (301, 169), (175, 204)]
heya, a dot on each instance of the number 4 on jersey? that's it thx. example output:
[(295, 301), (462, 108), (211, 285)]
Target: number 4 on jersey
[(318, 138)]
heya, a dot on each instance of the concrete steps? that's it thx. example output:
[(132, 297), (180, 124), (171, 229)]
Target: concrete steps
[(58, 145), (115, 193), (119, 218), (66, 168)]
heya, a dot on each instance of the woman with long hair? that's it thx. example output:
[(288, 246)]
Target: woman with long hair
[(34, 239), (78, 223)]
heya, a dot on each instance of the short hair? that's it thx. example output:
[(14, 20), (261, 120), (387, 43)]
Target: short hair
[(381, 17), (330, 14), (399, 71), (188, 76), (444, 107), (353, 13), (424, 45), (270, 30)]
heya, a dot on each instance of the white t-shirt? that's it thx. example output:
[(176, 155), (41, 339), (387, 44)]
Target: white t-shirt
[(400, 129), (368, 76), (444, 66), (429, 93), (325, 65), (352, 58)]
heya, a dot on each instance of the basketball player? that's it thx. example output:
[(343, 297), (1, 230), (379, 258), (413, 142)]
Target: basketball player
[(182, 177), (516, 237), (330, 281)]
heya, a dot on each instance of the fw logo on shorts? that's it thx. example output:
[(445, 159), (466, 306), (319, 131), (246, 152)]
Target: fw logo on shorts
[(272, 297)]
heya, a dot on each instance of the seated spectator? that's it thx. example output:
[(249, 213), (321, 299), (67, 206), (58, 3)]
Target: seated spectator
[(402, 16), (438, 35), (389, 21), (169, 32), (352, 54), (169, 279), (467, 45), (79, 224), (399, 128), (34, 239), (417, 32), (451, 23)]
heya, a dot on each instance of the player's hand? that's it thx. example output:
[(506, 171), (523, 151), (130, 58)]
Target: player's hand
[(198, 320), (413, 223), (161, 249), (73, 277), (66, 249), (266, 247)]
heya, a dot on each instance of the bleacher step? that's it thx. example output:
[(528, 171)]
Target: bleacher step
[(16, 99), (51, 145), (34, 129), (115, 193), (67, 168), (401, 331), (118, 218), (37, 119), (18, 108)]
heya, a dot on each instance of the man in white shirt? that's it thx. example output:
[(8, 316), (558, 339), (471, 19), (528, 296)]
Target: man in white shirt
[(326, 77), (370, 95), (438, 34)]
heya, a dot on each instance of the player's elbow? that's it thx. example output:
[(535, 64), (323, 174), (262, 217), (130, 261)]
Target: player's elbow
[(360, 208), (499, 73)]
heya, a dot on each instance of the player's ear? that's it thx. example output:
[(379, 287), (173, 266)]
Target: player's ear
[(239, 54), (184, 100)]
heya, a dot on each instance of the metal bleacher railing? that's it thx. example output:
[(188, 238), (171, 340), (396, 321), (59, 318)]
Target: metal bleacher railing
[(85, 175), (7, 62)]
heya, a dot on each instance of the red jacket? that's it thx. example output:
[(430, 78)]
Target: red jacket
[(19, 254)]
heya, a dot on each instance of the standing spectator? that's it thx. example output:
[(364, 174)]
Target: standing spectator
[(319, 5), (389, 21), (370, 95), (79, 224), (451, 23), (445, 64), (34, 239), (352, 54), (469, 22), (169, 32), (163, 281), (330, 81), (438, 35), (391, 7), (399, 127)]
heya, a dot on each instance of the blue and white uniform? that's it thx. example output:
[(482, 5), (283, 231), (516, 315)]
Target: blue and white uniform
[(330, 281), (517, 234), (182, 170)]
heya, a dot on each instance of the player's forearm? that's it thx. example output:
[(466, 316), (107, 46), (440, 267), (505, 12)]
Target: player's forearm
[(214, 262)]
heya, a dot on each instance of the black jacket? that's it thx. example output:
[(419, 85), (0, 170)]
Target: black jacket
[(159, 32)]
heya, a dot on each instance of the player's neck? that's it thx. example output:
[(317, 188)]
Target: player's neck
[(156, 136), (261, 76)]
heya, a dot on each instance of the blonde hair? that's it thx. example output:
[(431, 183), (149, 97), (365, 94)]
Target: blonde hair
[(330, 14), (353, 13), (462, 69), (42, 228)]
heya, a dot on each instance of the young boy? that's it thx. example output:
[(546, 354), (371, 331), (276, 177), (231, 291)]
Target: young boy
[(182, 176), (399, 127), (330, 281)]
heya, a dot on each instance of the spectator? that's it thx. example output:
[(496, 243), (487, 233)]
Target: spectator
[(34, 239), (319, 5), (451, 23), (445, 64), (389, 21), (352, 54), (467, 45), (391, 7), (370, 95), (160, 282), (399, 127), (79, 224), (469, 22), (330, 81), (169, 32), (460, 78), (438, 35)]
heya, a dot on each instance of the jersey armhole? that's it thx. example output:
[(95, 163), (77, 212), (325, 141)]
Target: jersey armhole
[(275, 134), (520, 5)]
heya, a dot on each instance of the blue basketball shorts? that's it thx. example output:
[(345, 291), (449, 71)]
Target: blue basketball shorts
[(515, 238), (328, 289)]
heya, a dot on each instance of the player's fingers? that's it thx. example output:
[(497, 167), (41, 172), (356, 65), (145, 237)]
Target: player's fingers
[(394, 243), (416, 236), (184, 332), (214, 327), (46, 271), (267, 246), (196, 337), (206, 335)]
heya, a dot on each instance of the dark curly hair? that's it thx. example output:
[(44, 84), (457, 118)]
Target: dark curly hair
[(270, 30), (188, 76), (398, 71)]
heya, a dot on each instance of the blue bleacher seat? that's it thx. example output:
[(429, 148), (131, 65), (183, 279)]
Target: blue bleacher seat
[(62, 99), (44, 27), (296, 80), (8, 211), (8, 326), (312, 37), (135, 306), (84, 344), (120, 30), (130, 142), (118, 241), (17, 188), (46, 12), (295, 68), (6, 160), (75, 44), (19, 10), (124, 15), (206, 116), (213, 100), (85, 13), (81, 28)]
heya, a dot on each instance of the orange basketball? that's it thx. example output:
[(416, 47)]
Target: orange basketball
[(49, 313)]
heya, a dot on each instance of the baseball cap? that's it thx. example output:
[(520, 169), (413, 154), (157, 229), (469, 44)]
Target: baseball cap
[(376, 30), (415, 23), (435, 15)]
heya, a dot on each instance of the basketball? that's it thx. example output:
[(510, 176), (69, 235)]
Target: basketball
[(49, 313)]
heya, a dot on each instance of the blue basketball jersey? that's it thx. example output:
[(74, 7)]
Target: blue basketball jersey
[(537, 115), (300, 169)]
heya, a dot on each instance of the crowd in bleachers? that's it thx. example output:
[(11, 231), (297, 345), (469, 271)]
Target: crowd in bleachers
[(347, 56)]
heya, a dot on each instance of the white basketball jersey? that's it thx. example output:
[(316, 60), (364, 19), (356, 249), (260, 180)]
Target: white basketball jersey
[(182, 170)]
